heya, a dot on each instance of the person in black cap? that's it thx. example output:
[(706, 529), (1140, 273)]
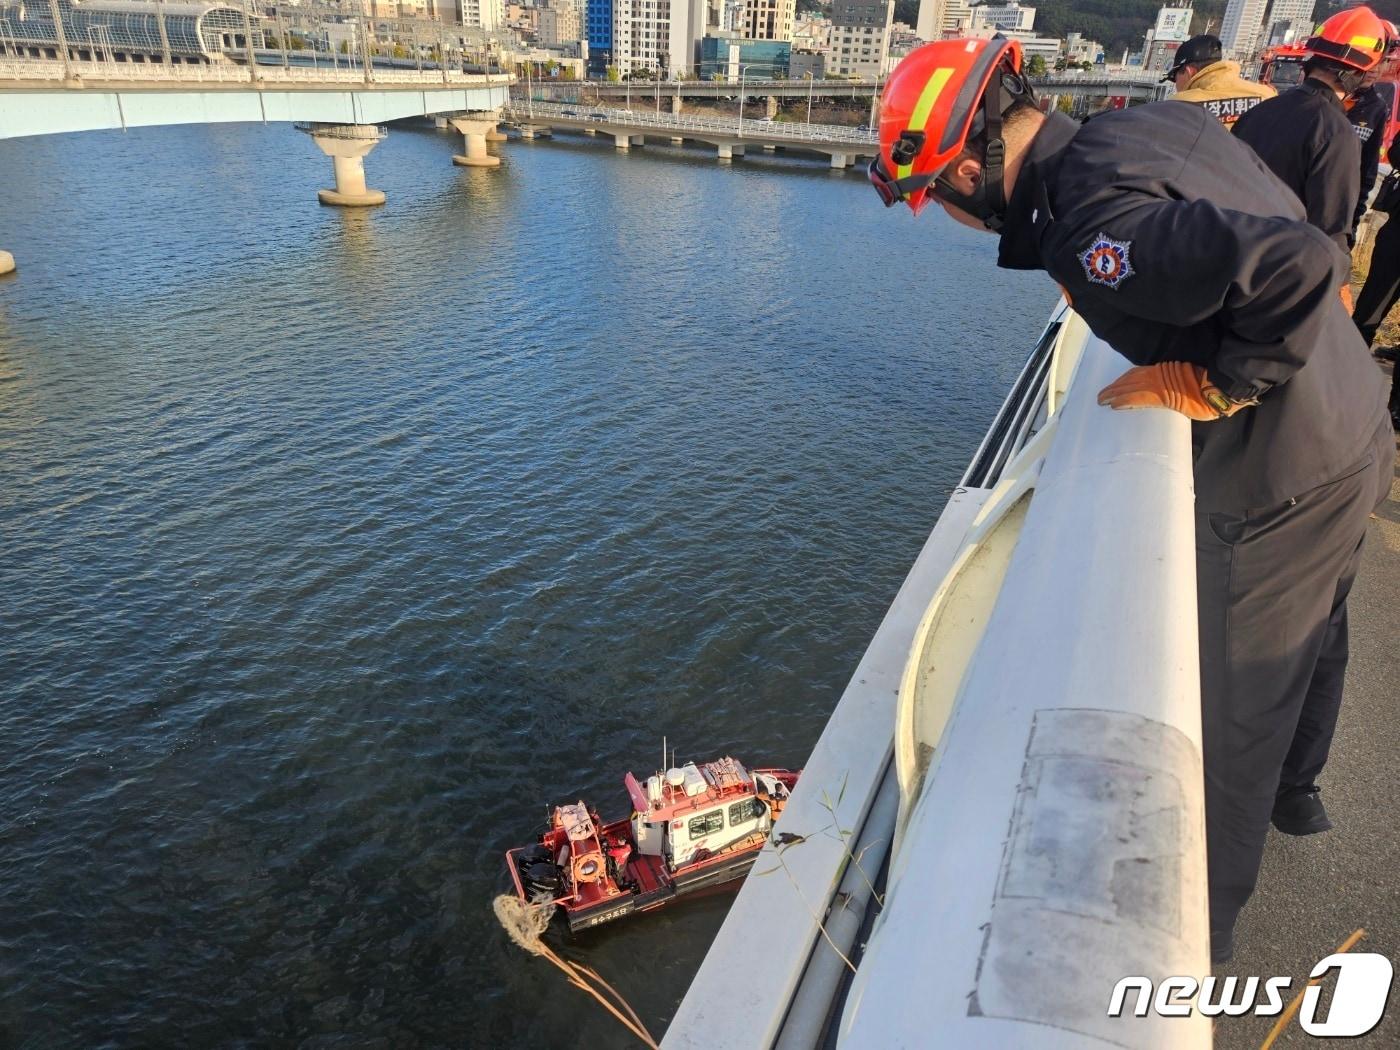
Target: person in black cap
[(1201, 76)]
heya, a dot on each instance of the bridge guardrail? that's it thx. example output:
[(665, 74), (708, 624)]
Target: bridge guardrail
[(541, 112), (41, 70)]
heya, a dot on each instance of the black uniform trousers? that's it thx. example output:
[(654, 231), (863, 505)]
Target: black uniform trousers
[(1380, 291), (1271, 593)]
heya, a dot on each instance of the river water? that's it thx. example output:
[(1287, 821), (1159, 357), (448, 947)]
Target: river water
[(338, 544)]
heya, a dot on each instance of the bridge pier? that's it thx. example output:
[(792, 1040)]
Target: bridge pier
[(495, 134), (839, 161), (675, 103), (347, 145), (676, 140), (7, 263), (473, 130), (639, 140), (622, 140), (530, 131)]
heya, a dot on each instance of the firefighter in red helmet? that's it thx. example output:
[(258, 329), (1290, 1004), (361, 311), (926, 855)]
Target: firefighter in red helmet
[(1180, 249), (1304, 136)]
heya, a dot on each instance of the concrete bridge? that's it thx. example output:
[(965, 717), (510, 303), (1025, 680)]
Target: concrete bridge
[(343, 109), (630, 128)]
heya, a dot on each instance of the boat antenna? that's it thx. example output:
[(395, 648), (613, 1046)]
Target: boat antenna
[(663, 754)]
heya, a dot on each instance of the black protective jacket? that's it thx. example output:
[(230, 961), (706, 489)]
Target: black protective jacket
[(1305, 137), (1369, 114), (1175, 242)]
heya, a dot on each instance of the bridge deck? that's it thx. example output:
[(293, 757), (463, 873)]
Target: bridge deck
[(1314, 891)]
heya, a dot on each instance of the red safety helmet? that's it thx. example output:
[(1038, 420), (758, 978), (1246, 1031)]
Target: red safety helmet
[(1356, 37), (934, 101)]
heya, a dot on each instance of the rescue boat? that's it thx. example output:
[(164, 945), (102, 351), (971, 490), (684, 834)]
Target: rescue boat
[(692, 827)]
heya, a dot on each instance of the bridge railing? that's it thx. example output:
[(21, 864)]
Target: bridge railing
[(48, 70), (778, 131), (1004, 815)]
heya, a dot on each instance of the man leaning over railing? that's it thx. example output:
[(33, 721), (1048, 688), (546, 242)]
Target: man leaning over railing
[(1182, 251)]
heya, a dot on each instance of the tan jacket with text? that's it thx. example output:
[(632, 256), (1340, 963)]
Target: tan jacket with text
[(1221, 90)]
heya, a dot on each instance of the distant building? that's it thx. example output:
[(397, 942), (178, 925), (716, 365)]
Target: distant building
[(1242, 28), (957, 15), (1290, 21), (730, 58), (558, 23), (598, 27), (1078, 50), (929, 24), (656, 35), (860, 37), (804, 63), (1010, 18), (768, 19), (811, 34)]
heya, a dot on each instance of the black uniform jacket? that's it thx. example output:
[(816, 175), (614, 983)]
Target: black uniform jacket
[(1369, 115), (1305, 137), (1175, 243)]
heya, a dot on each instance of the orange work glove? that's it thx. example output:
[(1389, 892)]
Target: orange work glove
[(1177, 385), (1346, 298)]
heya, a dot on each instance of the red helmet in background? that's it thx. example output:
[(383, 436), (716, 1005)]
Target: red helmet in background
[(934, 101), (1356, 37)]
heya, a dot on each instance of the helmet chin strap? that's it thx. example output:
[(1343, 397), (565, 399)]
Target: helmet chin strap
[(987, 201)]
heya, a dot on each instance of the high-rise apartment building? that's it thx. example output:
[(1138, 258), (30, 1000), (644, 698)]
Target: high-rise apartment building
[(1289, 21), (656, 35), (860, 37), (768, 19), (929, 24), (1242, 28)]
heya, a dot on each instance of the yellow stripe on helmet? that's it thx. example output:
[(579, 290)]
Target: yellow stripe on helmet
[(923, 108), (1366, 43)]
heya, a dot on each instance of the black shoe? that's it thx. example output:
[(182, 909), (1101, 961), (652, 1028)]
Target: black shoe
[(1299, 811), (1222, 946)]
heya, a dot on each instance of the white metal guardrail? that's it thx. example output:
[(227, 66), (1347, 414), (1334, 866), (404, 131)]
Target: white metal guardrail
[(778, 131), (1049, 782), (41, 70)]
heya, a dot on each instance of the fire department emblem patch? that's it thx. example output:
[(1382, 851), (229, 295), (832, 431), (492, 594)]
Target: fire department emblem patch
[(1106, 261)]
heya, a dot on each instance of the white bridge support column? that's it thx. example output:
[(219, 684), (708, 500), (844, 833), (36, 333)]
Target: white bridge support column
[(474, 128), (838, 160), (347, 145), (440, 123), (495, 134), (675, 104), (7, 263), (639, 140), (725, 151), (676, 140), (530, 131), (622, 140)]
